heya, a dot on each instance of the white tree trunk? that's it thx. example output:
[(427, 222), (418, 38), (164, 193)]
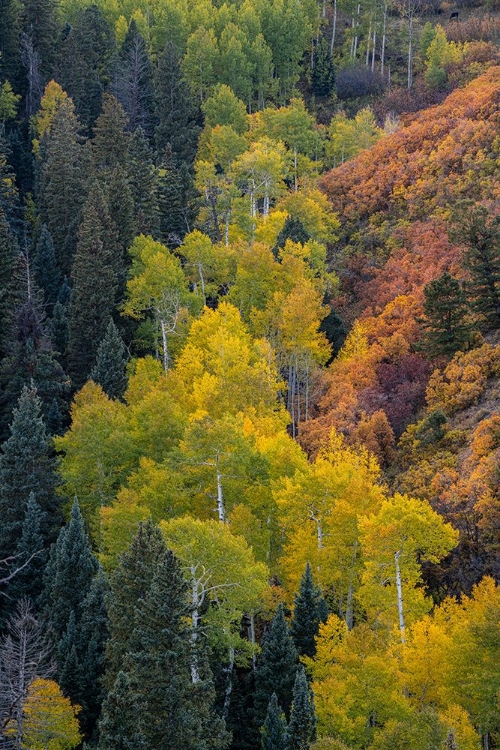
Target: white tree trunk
[(165, 345), (399, 591)]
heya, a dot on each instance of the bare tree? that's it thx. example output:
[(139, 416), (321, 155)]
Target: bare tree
[(24, 656)]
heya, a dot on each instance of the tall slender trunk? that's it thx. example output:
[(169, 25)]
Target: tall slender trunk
[(349, 613), (334, 26), (229, 683), (367, 57), (384, 32), (165, 345), (399, 590), (220, 497), (374, 47)]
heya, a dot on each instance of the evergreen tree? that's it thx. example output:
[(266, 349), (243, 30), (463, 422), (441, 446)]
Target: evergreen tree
[(45, 268), (446, 328), (10, 32), (309, 611), (121, 210), (111, 363), (40, 26), (54, 419), (177, 116), (26, 468), (129, 584), (68, 575), (134, 80), (323, 72), (480, 233), (84, 68), (62, 183), (274, 729), (7, 266), (30, 549), (69, 669), (111, 138), (276, 668), (334, 329), (143, 184), (94, 286), (118, 725), (93, 635), (175, 713), (30, 359), (293, 230), (176, 201), (302, 726)]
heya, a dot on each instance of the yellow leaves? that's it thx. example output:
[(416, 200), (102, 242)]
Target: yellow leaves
[(49, 721), (53, 99)]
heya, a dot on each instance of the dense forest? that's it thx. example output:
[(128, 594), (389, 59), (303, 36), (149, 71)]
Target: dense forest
[(249, 375)]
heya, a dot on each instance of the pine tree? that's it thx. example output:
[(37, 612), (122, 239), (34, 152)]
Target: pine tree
[(308, 613), (26, 467), (120, 204), (302, 726), (86, 50), (174, 712), (480, 233), (68, 575), (143, 184), (293, 230), (276, 668), (62, 183), (274, 729), (118, 725), (178, 118), (94, 286), (111, 138), (129, 583), (134, 80), (111, 363), (32, 546), (7, 266), (323, 72), (445, 324), (176, 201), (45, 268)]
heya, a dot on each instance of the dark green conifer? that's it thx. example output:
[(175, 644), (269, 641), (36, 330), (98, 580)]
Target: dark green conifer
[(175, 712), (26, 468), (308, 613), (111, 138), (31, 549), (176, 201), (69, 669), (45, 268), (276, 668), (133, 85), (177, 116), (40, 26), (86, 49), (54, 419), (480, 233), (302, 726), (111, 363), (121, 210), (129, 583), (323, 72), (8, 256), (68, 575), (445, 322), (274, 729), (118, 725), (293, 230), (94, 287), (143, 184), (62, 183)]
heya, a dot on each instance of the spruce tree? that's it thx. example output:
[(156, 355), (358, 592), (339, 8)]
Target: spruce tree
[(293, 230), (323, 72), (120, 204), (32, 549), (276, 668), (26, 467), (68, 575), (129, 584), (45, 268), (118, 728), (177, 116), (309, 611), (274, 729), (133, 85), (175, 713), (143, 184), (84, 68), (62, 183), (94, 286), (445, 323), (176, 201), (302, 726), (111, 138), (480, 233), (7, 265), (111, 363)]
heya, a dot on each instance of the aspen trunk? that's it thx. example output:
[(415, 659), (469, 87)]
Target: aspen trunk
[(399, 590)]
